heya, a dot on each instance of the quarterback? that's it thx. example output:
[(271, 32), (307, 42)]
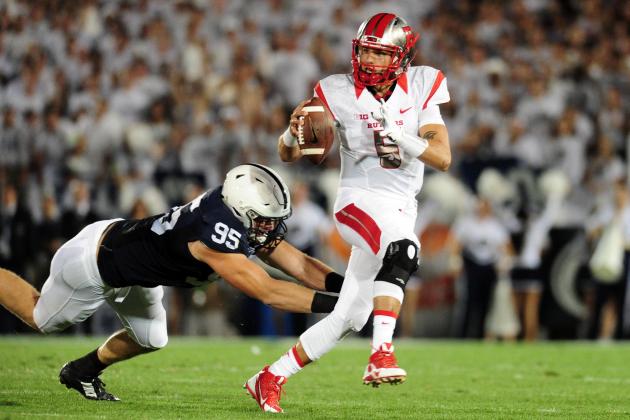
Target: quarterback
[(126, 262), (389, 127)]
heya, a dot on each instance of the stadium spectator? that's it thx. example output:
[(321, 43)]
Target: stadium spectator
[(610, 303), (307, 230), (484, 241)]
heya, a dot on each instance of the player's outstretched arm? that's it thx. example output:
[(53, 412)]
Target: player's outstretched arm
[(252, 280), (438, 154), (288, 148), (304, 268)]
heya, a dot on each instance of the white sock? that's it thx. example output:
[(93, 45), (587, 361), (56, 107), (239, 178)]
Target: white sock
[(288, 364), (384, 325)]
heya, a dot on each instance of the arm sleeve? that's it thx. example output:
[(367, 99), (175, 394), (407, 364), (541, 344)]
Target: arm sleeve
[(438, 92), (431, 115)]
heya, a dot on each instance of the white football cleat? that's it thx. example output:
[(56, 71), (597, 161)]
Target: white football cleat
[(266, 388), (383, 368)]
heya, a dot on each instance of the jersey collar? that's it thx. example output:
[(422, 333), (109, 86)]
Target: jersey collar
[(401, 81)]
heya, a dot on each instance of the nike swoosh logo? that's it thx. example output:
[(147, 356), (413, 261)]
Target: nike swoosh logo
[(402, 111), (258, 392)]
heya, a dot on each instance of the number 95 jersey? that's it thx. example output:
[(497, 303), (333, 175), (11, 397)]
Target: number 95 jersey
[(154, 251), (368, 161)]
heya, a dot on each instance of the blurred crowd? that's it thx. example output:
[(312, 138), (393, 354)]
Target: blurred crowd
[(125, 108)]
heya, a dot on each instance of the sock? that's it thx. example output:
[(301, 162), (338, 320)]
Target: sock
[(89, 365), (384, 324), (288, 364)]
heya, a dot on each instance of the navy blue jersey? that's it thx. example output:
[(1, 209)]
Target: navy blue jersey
[(154, 251)]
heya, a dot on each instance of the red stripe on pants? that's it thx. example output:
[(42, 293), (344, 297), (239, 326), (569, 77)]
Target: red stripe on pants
[(361, 223)]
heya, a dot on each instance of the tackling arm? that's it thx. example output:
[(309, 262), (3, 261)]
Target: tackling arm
[(252, 280), (304, 268)]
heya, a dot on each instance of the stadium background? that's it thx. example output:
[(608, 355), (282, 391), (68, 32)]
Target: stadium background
[(125, 108)]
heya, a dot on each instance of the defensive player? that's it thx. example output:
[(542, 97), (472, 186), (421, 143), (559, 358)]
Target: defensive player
[(389, 126), (125, 262)]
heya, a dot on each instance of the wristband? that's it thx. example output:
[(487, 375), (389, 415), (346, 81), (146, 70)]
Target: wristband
[(322, 303), (333, 282), (289, 139), (414, 146)]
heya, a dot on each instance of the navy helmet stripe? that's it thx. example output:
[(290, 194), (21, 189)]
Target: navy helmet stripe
[(275, 178)]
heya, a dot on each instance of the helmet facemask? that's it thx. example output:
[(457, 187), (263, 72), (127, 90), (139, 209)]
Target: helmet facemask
[(265, 232)]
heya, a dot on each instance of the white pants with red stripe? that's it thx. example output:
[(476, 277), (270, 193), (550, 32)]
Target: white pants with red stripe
[(368, 223)]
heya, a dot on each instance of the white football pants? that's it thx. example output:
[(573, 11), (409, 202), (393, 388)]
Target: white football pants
[(74, 290), (369, 223)]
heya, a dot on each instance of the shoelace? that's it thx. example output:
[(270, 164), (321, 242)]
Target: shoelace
[(99, 385), (277, 391), (386, 358)]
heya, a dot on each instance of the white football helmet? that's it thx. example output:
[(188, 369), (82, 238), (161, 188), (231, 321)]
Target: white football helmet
[(260, 199), (385, 32)]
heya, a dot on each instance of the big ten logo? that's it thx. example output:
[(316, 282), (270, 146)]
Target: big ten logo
[(361, 117), (376, 125)]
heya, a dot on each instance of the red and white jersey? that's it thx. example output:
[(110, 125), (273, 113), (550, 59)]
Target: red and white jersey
[(369, 162)]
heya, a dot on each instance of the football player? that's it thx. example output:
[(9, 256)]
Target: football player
[(389, 127), (126, 262)]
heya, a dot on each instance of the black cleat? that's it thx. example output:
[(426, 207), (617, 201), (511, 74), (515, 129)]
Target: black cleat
[(91, 387)]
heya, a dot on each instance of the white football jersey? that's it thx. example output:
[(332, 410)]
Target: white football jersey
[(368, 161)]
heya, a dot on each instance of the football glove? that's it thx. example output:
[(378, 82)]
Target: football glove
[(413, 146)]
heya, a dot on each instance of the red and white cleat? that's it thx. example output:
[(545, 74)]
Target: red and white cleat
[(266, 388), (383, 368)]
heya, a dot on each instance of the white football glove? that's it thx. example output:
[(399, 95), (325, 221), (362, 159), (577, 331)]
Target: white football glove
[(413, 146)]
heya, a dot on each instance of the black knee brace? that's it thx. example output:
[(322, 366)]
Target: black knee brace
[(399, 263)]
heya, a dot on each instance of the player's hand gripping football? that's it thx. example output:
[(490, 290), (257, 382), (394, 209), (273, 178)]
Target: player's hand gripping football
[(297, 118), (412, 145)]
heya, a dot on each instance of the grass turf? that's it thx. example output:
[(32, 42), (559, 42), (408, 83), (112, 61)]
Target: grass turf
[(202, 378)]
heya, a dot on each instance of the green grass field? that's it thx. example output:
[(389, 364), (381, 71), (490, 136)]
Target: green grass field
[(202, 378)]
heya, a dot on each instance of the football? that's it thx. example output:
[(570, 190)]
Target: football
[(317, 135)]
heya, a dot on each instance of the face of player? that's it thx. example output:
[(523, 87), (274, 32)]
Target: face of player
[(262, 227), (374, 60), (265, 225)]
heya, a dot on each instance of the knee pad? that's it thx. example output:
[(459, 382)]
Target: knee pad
[(399, 263), (149, 333), (154, 340)]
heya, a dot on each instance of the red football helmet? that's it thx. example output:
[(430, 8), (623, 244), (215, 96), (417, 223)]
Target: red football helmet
[(386, 32)]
